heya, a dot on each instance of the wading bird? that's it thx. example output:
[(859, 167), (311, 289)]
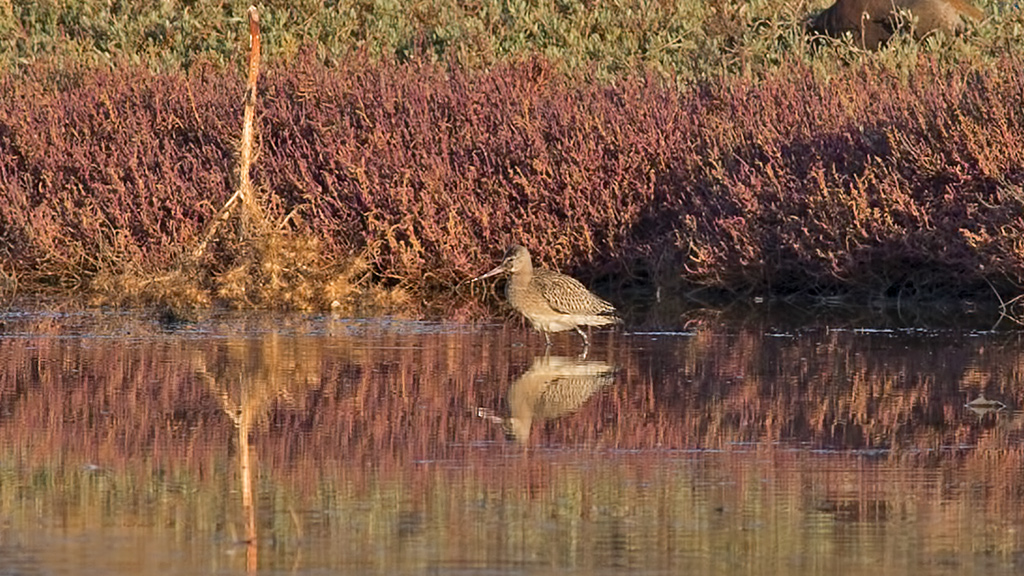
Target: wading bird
[(552, 302)]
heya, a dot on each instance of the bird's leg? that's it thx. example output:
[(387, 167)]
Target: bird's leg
[(547, 340), (586, 341), (586, 344)]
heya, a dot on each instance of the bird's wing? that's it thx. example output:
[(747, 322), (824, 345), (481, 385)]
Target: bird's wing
[(567, 295)]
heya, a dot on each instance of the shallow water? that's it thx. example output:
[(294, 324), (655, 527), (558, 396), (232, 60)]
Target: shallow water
[(128, 446)]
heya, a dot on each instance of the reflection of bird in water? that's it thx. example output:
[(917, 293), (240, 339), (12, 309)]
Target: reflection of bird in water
[(554, 386), (552, 302)]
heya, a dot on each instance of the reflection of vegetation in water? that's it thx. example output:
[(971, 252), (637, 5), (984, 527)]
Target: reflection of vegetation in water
[(374, 444), (726, 510), (832, 389)]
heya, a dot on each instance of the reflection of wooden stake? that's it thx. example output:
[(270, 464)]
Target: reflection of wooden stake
[(248, 509), (244, 192)]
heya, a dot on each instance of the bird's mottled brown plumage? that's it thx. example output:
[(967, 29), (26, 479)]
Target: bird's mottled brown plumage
[(552, 302)]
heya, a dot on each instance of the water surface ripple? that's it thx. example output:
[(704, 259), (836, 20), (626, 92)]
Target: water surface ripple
[(292, 444)]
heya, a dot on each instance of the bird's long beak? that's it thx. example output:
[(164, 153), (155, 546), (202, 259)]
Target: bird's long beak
[(494, 272)]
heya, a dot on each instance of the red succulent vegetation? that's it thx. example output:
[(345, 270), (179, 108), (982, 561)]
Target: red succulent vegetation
[(861, 182)]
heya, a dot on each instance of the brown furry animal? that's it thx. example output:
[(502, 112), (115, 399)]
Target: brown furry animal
[(874, 21)]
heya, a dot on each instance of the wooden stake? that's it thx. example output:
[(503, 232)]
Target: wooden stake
[(244, 192)]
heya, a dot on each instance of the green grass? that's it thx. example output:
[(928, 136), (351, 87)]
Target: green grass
[(686, 39)]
